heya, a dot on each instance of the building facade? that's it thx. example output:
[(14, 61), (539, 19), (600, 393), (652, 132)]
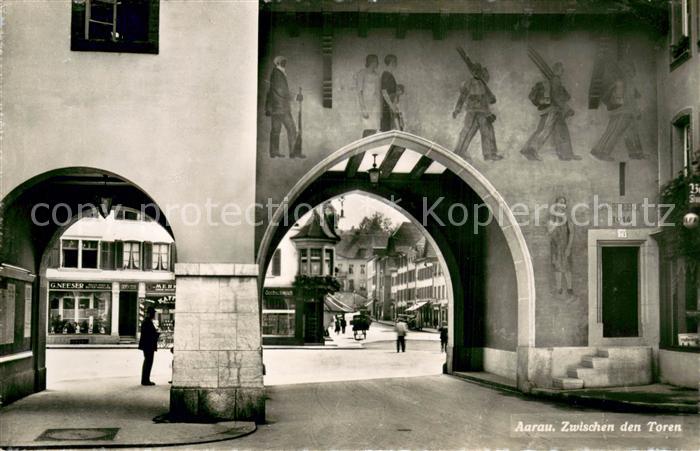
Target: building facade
[(103, 273), (586, 106)]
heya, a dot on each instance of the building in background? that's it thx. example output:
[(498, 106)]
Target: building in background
[(103, 272), (308, 250)]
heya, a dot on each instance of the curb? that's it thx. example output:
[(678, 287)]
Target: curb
[(580, 399)]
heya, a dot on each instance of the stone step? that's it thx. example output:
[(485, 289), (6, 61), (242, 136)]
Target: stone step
[(590, 361), (567, 383), (591, 377)]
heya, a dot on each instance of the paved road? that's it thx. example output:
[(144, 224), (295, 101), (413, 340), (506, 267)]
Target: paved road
[(434, 412)]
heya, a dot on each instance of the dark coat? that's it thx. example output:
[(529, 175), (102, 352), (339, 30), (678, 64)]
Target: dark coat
[(278, 96), (149, 336)]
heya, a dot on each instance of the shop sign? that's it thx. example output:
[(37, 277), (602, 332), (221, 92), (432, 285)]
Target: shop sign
[(160, 287), (694, 194), (128, 286), (288, 292), (73, 285)]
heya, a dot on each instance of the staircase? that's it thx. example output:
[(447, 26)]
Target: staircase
[(609, 367)]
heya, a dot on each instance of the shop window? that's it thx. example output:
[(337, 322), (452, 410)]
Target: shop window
[(276, 269), (88, 313), (278, 316), (160, 256), (680, 13), (89, 251), (69, 253), (131, 255), (128, 26)]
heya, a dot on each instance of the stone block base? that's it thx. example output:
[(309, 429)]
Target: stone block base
[(217, 404)]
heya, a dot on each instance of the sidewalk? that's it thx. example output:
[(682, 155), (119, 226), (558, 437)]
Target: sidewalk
[(94, 413), (643, 398)]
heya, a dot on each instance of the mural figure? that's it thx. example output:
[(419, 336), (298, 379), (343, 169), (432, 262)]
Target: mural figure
[(278, 107), (551, 98), (476, 97), (389, 89), (398, 115), (369, 95), (561, 239), (620, 97)]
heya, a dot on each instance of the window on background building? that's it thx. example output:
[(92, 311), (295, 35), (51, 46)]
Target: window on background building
[(351, 285), (351, 268), (303, 262), (276, 268), (69, 253), (328, 260), (682, 145), (316, 269), (125, 214), (89, 254), (131, 255), (160, 256), (129, 26), (362, 269), (680, 12)]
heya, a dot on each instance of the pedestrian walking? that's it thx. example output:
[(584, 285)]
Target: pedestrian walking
[(343, 324), (401, 331), (337, 326), (148, 343), (443, 337)]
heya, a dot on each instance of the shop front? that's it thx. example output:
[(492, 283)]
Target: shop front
[(161, 295), (279, 317), (80, 313)]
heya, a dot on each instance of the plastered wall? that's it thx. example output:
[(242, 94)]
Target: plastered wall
[(180, 124), (432, 73)]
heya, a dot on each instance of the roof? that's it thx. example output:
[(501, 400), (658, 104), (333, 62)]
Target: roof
[(355, 244), (333, 304), (350, 298), (317, 228), (406, 237), (112, 229)]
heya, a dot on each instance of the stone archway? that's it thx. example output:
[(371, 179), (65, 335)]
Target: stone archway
[(507, 223)]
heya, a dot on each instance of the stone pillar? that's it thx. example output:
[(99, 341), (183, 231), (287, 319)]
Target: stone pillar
[(217, 367)]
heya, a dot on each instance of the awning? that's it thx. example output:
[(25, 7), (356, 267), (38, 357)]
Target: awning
[(416, 306), (333, 305)]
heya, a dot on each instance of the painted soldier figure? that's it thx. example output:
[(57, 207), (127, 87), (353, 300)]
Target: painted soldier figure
[(278, 107), (551, 98), (475, 97), (621, 98)]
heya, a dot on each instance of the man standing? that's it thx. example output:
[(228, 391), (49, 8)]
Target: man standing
[(401, 331), (476, 97), (389, 89), (551, 98), (148, 343), (443, 337), (278, 107)]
